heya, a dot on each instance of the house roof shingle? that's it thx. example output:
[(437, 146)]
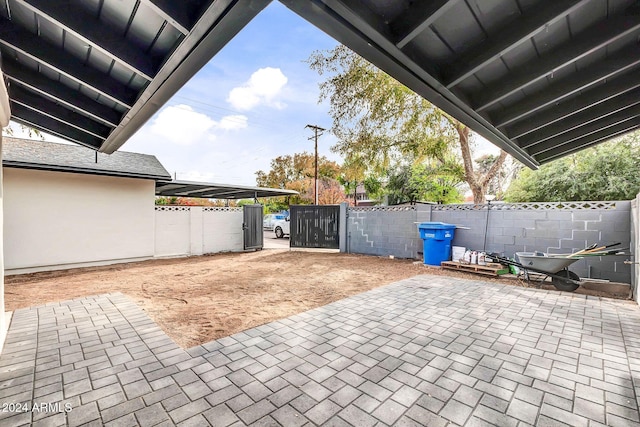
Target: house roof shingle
[(31, 154)]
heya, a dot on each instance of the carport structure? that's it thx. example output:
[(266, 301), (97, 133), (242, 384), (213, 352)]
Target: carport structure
[(208, 190), (539, 79)]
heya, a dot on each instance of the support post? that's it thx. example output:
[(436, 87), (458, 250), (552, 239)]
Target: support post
[(342, 226), (5, 114)]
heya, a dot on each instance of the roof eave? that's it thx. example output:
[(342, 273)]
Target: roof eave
[(217, 26), (80, 170)]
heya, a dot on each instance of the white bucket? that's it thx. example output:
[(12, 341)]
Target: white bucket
[(457, 252)]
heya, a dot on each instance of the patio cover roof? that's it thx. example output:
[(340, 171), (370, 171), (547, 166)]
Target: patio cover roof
[(94, 71), (207, 190), (538, 78)]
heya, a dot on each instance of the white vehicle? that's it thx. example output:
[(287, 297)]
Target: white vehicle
[(270, 220), (282, 228)]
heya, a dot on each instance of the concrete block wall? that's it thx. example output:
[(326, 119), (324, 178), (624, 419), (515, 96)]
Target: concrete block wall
[(511, 228), (383, 231)]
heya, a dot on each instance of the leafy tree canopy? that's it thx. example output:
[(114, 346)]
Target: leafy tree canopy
[(608, 171), (424, 182), (382, 122), (296, 172), (288, 169)]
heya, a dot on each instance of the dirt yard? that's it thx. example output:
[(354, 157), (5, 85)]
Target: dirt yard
[(199, 299)]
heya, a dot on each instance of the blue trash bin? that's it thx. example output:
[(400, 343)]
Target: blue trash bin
[(437, 237)]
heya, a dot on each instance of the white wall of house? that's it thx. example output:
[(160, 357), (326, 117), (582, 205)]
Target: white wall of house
[(67, 220), (195, 230)]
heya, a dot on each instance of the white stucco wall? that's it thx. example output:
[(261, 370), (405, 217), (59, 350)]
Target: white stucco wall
[(222, 230), (195, 230), (64, 220), (172, 231)]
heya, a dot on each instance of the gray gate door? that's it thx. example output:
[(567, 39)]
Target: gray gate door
[(252, 227), (315, 226)]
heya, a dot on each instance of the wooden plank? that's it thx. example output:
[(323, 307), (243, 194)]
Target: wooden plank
[(475, 268)]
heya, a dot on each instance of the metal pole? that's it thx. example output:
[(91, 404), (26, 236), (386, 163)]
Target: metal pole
[(486, 226), (318, 131)]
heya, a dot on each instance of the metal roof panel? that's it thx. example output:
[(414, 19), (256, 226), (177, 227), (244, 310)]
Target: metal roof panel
[(492, 15), (458, 28), (210, 190)]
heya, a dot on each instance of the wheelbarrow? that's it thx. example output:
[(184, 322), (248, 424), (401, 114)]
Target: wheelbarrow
[(545, 266)]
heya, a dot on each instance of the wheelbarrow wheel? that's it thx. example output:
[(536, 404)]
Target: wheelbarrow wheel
[(565, 285)]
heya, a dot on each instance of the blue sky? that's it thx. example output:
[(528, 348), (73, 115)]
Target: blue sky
[(249, 104)]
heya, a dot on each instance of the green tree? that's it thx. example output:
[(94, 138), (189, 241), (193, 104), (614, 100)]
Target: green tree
[(355, 172), (384, 122), (427, 181), (296, 172), (608, 171)]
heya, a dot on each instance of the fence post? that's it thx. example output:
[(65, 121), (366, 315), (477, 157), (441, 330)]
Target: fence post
[(342, 226)]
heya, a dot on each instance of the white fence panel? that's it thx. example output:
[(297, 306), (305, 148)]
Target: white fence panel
[(173, 231), (197, 230), (222, 230)]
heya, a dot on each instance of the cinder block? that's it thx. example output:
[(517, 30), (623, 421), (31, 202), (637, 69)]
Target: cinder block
[(586, 235), (525, 215), (544, 243), (579, 225), (504, 240), (572, 245), (560, 215), (526, 241), (545, 233), (510, 250), (524, 223), (587, 215), (494, 216), (547, 224), (509, 231), (611, 237), (616, 216)]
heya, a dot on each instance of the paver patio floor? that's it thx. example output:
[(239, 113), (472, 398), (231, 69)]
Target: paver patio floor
[(429, 350)]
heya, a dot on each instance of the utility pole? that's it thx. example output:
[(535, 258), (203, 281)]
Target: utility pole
[(318, 131)]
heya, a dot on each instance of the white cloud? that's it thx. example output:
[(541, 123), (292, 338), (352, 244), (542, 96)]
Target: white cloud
[(182, 125), (233, 122), (262, 88)]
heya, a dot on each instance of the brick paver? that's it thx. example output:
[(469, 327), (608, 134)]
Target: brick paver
[(423, 351)]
